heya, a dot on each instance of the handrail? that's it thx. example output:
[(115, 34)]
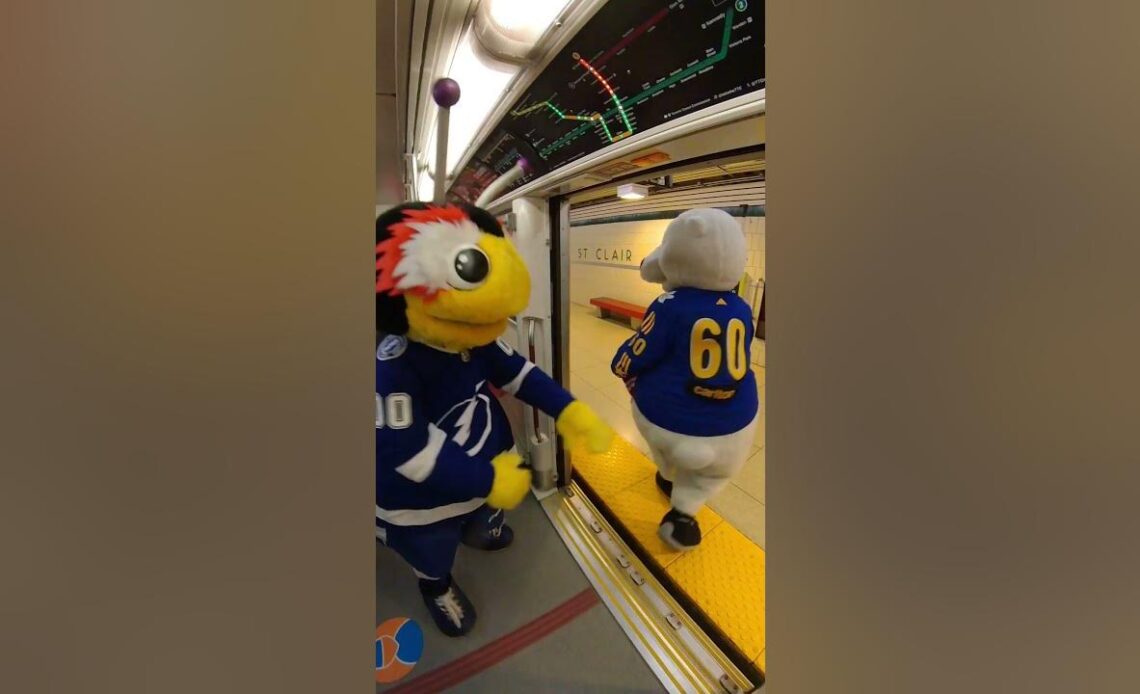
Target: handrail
[(533, 360), (538, 452), (500, 184)]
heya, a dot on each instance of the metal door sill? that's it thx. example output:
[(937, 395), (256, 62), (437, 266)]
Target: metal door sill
[(680, 655)]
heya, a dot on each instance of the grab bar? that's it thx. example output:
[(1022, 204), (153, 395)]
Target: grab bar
[(540, 450), (500, 184), (534, 360)]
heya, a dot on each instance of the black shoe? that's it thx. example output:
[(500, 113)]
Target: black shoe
[(679, 530), (452, 612), (490, 539), (664, 484)]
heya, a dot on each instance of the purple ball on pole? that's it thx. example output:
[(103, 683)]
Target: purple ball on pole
[(524, 165), (445, 92)]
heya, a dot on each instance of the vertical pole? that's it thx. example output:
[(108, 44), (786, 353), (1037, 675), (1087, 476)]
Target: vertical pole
[(559, 211), (445, 93), (441, 156)]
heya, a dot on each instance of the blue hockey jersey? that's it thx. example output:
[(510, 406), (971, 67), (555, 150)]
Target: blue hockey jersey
[(438, 425), (690, 363)]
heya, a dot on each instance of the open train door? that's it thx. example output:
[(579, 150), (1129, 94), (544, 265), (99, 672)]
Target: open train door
[(666, 97)]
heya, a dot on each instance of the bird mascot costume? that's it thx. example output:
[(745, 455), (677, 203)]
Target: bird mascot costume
[(694, 393), (447, 280)]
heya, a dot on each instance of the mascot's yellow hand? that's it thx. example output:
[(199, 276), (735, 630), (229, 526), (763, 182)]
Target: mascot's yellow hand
[(511, 482), (579, 425)]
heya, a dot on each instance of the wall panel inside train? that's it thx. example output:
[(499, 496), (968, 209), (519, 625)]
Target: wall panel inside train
[(586, 135)]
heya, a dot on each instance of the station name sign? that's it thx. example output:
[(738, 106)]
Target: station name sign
[(609, 255)]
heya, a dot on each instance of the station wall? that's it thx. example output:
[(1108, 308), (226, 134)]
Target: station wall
[(604, 259)]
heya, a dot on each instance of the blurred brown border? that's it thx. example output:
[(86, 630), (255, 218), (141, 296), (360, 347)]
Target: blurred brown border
[(953, 341), (187, 201), (952, 254)]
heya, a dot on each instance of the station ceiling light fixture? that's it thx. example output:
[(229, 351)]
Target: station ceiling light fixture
[(632, 191)]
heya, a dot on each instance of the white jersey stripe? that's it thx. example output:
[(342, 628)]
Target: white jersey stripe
[(425, 516), (517, 381), (419, 467)]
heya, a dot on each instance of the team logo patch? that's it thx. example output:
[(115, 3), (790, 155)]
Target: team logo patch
[(391, 347), (399, 646), (469, 423)]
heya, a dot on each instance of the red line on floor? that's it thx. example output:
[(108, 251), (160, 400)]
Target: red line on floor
[(500, 649)]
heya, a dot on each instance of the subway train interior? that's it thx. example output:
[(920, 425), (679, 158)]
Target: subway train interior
[(585, 128)]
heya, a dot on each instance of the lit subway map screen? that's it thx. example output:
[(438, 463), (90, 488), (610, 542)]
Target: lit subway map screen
[(635, 65)]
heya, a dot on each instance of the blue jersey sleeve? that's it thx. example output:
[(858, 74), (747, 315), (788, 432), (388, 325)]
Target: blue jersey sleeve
[(649, 344), (519, 376), (410, 445)]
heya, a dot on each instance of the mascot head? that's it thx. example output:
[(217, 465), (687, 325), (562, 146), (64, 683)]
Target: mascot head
[(446, 276), (702, 248)]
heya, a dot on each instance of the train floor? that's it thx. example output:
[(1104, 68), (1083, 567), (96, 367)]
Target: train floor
[(541, 627), (724, 576)]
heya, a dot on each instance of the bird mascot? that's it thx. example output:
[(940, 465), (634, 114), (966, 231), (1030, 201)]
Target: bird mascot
[(447, 280), (694, 394)]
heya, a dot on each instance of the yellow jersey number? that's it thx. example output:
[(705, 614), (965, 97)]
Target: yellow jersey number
[(709, 347), (637, 342)]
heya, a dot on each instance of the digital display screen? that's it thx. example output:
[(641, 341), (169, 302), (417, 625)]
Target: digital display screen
[(635, 65)]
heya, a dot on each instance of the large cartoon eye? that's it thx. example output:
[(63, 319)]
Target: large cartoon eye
[(470, 268)]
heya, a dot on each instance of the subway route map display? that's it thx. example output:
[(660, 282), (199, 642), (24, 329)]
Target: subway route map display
[(635, 65)]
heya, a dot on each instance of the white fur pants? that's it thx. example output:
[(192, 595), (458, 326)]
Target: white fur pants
[(698, 466)]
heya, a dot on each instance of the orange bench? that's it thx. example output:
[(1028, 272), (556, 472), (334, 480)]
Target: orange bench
[(615, 307)]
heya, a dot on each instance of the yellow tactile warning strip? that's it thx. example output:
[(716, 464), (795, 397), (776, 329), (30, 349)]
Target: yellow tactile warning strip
[(760, 661), (641, 507), (724, 576), (615, 470)]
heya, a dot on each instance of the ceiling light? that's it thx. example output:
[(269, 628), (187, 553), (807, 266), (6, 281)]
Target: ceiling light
[(525, 18), (425, 186), (511, 29), (632, 191)]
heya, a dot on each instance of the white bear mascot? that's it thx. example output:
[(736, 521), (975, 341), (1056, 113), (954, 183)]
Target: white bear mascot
[(688, 367)]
